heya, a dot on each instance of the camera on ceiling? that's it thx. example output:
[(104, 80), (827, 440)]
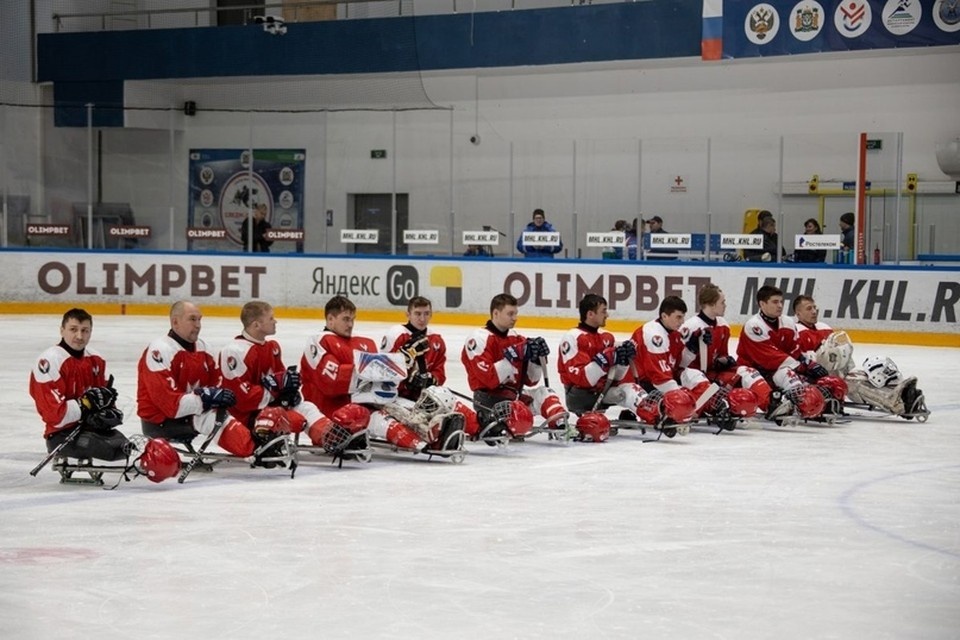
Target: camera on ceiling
[(274, 25)]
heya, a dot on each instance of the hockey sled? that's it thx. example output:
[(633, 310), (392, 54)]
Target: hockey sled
[(448, 445), (670, 430), (915, 408), (85, 470), (278, 452), (357, 448)]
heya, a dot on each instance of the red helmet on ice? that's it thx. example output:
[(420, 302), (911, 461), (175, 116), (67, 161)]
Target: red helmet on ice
[(679, 405), (742, 402), (272, 421), (595, 426), (809, 401), (833, 385), (159, 460)]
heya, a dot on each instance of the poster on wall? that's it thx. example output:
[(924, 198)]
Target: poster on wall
[(227, 185), (789, 27)]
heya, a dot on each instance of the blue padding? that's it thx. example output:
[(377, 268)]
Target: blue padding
[(698, 242), (70, 100), (938, 257), (627, 31)]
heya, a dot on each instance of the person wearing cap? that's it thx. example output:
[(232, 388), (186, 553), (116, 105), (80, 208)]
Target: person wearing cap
[(538, 225), (656, 226)]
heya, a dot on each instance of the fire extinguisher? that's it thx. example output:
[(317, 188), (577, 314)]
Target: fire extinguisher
[(876, 255)]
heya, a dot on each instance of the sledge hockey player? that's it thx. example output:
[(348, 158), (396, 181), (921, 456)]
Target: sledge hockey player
[(500, 363), (592, 367), (425, 354), (77, 403), (74, 397), (674, 395), (706, 338), (179, 388), (878, 385), (269, 405), (768, 343), (353, 384)]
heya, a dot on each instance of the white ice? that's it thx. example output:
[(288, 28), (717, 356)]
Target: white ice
[(849, 531)]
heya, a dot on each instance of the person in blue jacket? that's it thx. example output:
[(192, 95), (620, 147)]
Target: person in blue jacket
[(539, 225)]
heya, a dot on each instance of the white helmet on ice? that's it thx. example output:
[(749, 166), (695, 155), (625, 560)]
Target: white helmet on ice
[(882, 372)]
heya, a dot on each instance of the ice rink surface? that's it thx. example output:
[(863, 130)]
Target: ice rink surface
[(847, 531)]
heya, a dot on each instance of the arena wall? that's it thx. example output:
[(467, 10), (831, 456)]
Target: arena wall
[(902, 305)]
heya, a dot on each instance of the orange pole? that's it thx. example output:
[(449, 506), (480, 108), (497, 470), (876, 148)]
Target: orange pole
[(861, 202)]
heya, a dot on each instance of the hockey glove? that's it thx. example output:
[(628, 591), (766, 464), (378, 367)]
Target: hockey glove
[(413, 349), (603, 359), (290, 392), (214, 397), (816, 370), (97, 398), (693, 342), (724, 362), (510, 354), (537, 348), (707, 336), (421, 381), (104, 420), (625, 352)]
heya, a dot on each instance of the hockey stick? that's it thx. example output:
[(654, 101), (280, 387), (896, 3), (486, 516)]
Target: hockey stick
[(611, 379), (70, 438), (198, 457), (703, 355), (53, 454)]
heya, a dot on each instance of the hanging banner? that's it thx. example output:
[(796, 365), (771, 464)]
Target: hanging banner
[(789, 27), (224, 190)]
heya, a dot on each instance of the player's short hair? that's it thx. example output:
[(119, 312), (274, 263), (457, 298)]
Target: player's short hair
[(709, 295), (178, 308), (768, 222), (763, 215), (538, 212), (768, 291), (590, 302), (78, 314), (502, 300), (797, 301), (417, 302), (337, 305), (253, 311), (671, 304)]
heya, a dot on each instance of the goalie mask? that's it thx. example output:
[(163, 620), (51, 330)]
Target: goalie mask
[(882, 372), (836, 354), (436, 400)]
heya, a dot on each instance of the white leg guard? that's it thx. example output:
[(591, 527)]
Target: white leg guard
[(627, 394), (890, 399)]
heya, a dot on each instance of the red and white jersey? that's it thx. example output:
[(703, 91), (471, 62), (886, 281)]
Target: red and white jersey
[(577, 350), (60, 376), (168, 372), (768, 345), (327, 367), (487, 369), (809, 338), (244, 363), (719, 344), (435, 359), (658, 356)]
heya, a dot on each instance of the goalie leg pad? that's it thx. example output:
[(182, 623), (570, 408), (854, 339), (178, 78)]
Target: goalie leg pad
[(236, 439), (403, 436)]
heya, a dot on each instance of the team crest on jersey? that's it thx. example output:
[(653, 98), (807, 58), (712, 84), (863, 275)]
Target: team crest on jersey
[(471, 344), (43, 366), (757, 331), (96, 371), (564, 347), (313, 351), (276, 350), (657, 341), (383, 343), (156, 356), (231, 363)]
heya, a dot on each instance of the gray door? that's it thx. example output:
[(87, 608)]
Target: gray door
[(372, 211)]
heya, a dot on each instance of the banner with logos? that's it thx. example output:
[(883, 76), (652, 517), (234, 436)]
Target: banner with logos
[(915, 300), (225, 189), (788, 27)]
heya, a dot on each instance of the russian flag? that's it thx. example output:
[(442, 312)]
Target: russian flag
[(711, 41)]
